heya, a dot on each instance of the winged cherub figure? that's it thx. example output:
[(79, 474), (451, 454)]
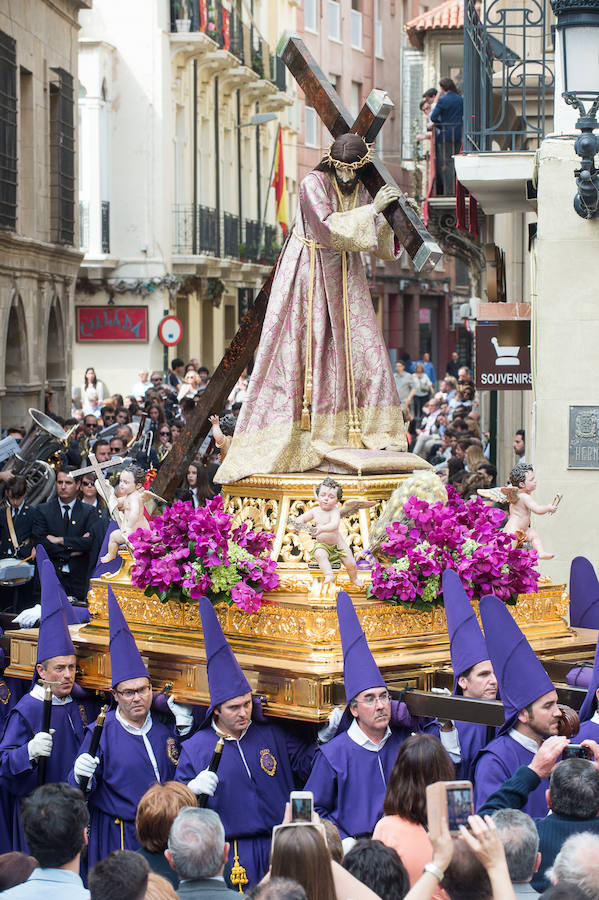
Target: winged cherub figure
[(323, 522), (522, 483)]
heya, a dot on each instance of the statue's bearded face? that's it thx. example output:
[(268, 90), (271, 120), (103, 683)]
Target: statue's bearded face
[(346, 180)]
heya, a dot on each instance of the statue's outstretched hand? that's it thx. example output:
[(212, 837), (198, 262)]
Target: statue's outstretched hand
[(386, 195)]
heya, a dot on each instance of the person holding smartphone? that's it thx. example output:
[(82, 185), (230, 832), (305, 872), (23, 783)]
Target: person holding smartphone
[(350, 772)]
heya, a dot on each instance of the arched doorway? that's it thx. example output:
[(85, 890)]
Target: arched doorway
[(16, 368), (56, 360)]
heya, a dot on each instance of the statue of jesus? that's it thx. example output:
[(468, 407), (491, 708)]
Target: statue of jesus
[(322, 377)]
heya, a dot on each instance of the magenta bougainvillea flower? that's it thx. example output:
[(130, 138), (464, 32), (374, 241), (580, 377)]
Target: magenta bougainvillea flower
[(187, 553), (458, 535)]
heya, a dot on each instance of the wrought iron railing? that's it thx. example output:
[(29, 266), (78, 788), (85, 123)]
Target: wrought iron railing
[(508, 75), (195, 230), (252, 239), (226, 28), (198, 233), (231, 233), (105, 226)]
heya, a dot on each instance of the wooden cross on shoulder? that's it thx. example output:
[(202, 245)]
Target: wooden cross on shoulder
[(423, 250)]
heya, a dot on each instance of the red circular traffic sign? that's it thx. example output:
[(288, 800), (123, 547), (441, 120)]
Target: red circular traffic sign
[(170, 330)]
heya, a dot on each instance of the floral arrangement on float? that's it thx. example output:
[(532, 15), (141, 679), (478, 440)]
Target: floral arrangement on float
[(429, 537), (187, 553)]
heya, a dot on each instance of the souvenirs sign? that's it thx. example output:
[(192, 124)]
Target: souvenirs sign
[(112, 323), (501, 365)]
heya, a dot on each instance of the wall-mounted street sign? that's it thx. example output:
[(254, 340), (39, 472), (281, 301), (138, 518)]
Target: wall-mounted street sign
[(503, 356), (583, 443)]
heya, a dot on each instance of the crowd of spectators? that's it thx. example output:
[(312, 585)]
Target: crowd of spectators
[(184, 850), (443, 422)]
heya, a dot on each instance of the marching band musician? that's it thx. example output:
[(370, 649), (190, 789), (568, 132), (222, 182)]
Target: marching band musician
[(16, 540)]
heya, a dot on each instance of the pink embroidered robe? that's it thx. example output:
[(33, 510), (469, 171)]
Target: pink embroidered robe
[(268, 437)]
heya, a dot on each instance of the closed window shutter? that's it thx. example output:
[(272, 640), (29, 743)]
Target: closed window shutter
[(412, 120)]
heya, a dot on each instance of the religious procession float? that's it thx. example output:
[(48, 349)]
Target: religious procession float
[(318, 491)]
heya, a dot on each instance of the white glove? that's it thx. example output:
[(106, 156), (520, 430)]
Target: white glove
[(85, 766), (29, 617), (40, 745), (204, 783), (182, 714), (327, 731)]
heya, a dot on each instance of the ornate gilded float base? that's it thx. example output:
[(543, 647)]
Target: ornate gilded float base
[(290, 649)]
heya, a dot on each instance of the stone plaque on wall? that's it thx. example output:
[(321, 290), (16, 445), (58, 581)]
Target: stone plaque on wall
[(583, 443)]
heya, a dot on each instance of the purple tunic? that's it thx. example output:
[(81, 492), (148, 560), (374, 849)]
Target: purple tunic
[(498, 762), (473, 738), (250, 802), (123, 776), (18, 774), (349, 782), (588, 731)]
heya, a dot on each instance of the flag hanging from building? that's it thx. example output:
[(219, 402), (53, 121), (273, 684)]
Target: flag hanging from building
[(279, 186), (226, 29), (203, 9)]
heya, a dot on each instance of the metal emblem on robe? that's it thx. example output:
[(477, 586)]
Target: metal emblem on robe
[(83, 714), (172, 750), (4, 692), (268, 763)]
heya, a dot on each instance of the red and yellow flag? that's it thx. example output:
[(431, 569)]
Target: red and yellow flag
[(203, 9), (279, 186)]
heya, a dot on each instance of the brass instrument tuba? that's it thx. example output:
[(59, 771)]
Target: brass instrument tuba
[(43, 440)]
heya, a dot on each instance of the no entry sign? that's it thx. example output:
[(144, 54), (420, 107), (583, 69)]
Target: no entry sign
[(170, 331)]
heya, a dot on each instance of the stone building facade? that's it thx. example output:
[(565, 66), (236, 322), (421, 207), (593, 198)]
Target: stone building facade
[(39, 256)]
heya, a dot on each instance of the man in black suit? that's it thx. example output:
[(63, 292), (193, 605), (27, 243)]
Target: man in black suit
[(197, 851), (64, 527), (16, 541)]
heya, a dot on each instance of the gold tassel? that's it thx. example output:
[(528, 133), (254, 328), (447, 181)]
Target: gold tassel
[(238, 874), (308, 389), (355, 438), (305, 423)]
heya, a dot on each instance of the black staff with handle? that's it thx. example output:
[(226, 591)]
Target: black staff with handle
[(212, 767), (94, 743), (46, 718)]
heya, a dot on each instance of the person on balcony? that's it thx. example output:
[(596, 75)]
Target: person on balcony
[(447, 115)]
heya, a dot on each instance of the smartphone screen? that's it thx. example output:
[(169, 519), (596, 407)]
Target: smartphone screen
[(459, 807), (577, 751), (301, 809)]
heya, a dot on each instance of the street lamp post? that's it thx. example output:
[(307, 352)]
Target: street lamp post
[(577, 34)]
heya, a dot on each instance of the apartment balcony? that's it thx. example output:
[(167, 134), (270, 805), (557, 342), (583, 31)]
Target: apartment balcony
[(508, 100), (229, 47), (94, 235), (205, 243)]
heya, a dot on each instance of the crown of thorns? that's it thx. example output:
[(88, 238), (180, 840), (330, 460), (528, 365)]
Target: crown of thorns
[(349, 166)]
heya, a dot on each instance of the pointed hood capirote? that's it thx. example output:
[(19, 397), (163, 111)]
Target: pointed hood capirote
[(467, 644), (360, 672), (588, 707), (225, 678), (73, 615), (520, 676), (54, 638), (584, 594), (125, 658)]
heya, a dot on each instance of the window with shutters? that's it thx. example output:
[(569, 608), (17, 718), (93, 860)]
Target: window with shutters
[(412, 120), (62, 158), (310, 127), (8, 131), (310, 15), (334, 21)]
